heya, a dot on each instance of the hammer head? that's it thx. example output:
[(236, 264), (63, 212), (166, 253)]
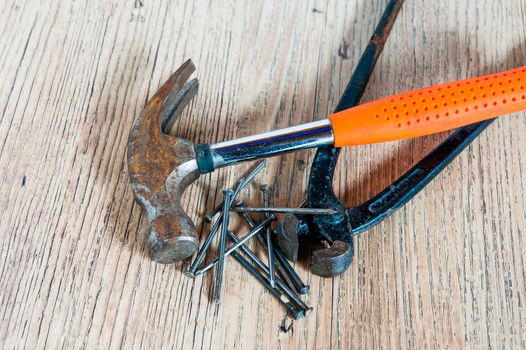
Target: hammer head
[(162, 166)]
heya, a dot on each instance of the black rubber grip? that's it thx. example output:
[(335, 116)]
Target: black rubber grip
[(203, 155)]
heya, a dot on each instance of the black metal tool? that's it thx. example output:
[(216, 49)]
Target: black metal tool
[(336, 228), (352, 221)]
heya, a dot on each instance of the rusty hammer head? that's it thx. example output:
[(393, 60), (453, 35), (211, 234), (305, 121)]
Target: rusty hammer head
[(162, 166)]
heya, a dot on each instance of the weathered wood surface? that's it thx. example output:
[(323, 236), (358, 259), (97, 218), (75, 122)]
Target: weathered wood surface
[(446, 271)]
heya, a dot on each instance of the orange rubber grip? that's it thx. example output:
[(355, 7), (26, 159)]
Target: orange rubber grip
[(431, 110)]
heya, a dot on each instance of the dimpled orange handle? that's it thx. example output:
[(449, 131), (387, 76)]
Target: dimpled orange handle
[(431, 110)]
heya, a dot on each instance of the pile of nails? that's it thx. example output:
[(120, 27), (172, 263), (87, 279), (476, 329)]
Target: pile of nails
[(277, 276)]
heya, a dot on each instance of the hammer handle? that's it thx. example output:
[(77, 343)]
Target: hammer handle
[(431, 110)]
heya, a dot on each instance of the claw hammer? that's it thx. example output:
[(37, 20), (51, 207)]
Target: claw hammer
[(162, 166)]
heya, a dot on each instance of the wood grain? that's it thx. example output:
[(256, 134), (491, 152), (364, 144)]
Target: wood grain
[(446, 271)]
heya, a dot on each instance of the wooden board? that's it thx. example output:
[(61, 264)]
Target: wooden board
[(446, 271)]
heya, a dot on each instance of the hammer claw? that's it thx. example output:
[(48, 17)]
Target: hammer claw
[(176, 81), (175, 102)]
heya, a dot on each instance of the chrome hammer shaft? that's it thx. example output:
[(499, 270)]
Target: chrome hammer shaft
[(309, 135)]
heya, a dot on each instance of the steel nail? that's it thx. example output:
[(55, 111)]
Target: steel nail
[(254, 172), (288, 304), (297, 211), (202, 252), (263, 240), (245, 238), (241, 183), (270, 250), (220, 267), (209, 216), (300, 286), (290, 293)]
